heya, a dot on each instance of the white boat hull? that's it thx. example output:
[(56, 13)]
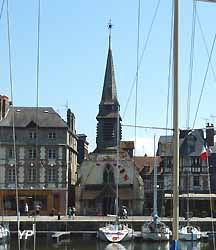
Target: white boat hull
[(4, 233), (158, 234), (115, 233), (155, 236), (189, 233)]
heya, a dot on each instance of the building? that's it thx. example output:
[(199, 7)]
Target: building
[(194, 174), (38, 152), (210, 133), (146, 164), (105, 170)]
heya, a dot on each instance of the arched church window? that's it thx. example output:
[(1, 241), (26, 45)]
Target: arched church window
[(108, 175)]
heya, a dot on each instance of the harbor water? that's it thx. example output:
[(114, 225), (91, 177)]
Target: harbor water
[(92, 244)]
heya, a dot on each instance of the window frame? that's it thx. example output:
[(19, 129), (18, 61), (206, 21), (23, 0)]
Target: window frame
[(52, 154), (32, 153), (52, 175), (11, 178), (32, 174), (52, 135)]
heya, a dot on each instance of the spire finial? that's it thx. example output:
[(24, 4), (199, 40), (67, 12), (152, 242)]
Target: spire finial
[(110, 25)]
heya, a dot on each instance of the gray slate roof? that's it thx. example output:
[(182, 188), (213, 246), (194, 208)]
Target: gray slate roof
[(109, 94), (42, 116), (191, 143)]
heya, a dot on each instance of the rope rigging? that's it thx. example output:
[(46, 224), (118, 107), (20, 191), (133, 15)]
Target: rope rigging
[(191, 65), (13, 124), (205, 44), (2, 7), (169, 71), (204, 80), (142, 55), (37, 105)]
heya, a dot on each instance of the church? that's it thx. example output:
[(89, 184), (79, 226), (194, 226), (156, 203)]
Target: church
[(109, 174)]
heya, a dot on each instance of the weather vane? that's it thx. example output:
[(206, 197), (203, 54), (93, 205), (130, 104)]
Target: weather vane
[(110, 25)]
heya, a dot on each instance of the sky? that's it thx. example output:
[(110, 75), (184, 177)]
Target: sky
[(73, 52)]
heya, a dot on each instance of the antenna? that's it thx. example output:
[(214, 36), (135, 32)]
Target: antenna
[(206, 120), (66, 105), (213, 118)]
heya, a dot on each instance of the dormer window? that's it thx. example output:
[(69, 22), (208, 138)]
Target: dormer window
[(52, 135)]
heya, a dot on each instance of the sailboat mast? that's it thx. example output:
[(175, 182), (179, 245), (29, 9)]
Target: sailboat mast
[(176, 122), (155, 180), (117, 164)]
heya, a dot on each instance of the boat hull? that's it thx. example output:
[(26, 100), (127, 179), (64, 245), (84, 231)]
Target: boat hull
[(4, 233), (155, 236), (189, 233), (155, 232), (115, 234)]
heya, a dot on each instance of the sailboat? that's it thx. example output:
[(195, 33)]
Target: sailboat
[(4, 233), (155, 230), (189, 232)]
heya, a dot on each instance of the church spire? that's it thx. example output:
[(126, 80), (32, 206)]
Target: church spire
[(109, 94), (107, 129)]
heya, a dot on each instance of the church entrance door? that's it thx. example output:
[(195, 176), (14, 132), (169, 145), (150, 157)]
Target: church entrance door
[(108, 205)]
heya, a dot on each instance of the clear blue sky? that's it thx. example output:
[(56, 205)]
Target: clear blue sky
[(73, 51)]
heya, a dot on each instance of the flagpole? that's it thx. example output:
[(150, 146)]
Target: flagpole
[(175, 241)]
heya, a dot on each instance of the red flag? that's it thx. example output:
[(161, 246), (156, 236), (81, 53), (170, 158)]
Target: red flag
[(126, 177), (204, 153)]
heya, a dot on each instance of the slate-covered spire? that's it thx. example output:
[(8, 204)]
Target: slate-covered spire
[(108, 108), (109, 94)]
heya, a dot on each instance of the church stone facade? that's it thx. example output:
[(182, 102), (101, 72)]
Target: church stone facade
[(108, 169)]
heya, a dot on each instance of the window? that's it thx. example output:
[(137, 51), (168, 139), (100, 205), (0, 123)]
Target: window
[(196, 161), (32, 153), (52, 135), (52, 175), (108, 175), (11, 153), (32, 135), (108, 130), (52, 154), (196, 181), (31, 174), (11, 175)]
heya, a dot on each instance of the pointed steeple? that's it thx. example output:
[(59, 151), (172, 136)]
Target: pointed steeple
[(108, 108), (109, 94)]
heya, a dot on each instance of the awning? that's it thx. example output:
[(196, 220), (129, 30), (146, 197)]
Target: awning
[(193, 196)]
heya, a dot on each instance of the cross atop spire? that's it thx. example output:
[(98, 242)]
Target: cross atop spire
[(110, 25)]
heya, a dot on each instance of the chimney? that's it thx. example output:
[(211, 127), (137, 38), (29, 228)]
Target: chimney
[(70, 121), (4, 105), (82, 148), (210, 134)]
